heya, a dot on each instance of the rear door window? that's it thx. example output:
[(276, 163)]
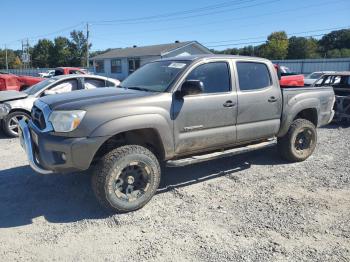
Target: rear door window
[(91, 83), (65, 86), (110, 84), (253, 76)]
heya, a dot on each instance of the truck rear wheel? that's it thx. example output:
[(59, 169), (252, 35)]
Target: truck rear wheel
[(299, 142), (126, 178)]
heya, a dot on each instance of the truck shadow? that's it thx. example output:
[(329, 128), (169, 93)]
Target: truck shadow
[(185, 176), (334, 125), (25, 196), (2, 135)]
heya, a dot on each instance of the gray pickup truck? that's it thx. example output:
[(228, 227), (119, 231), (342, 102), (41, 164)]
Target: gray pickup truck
[(176, 111)]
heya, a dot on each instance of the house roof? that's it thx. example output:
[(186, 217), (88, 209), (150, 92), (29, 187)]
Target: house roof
[(151, 50)]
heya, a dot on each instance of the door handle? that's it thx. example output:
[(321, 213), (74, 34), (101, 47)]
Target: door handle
[(272, 99), (229, 103)]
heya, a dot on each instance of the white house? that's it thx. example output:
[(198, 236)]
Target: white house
[(120, 62)]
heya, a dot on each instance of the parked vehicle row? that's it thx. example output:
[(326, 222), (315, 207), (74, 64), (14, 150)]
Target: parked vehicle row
[(14, 82), (313, 77), (20, 83), (340, 82), (176, 111), (287, 78), (15, 106)]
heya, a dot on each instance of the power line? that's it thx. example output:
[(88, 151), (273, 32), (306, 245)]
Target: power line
[(194, 10), (234, 19), (192, 16), (256, 42), (231, 30), (47, 34), (57, 32), (291, 34)]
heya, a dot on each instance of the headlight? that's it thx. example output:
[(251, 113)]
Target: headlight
[(66, 121), (4, 109)]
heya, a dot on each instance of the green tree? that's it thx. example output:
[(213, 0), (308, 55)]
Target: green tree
[(11, 58), (301, 47), (60, 53), (276, 46), (335, 40), (17, 63), (248, 51), (41, 53), (338, 53), (78, 48)]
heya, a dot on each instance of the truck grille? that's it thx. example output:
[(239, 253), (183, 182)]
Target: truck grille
[(38, 118)]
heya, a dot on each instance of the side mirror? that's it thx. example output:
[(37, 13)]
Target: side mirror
[(191, 87)]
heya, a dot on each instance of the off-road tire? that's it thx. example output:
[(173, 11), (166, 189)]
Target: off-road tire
[(6, 122), (287, 144), (113, 163)]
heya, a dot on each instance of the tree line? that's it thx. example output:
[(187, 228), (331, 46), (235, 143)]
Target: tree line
[(335, 44), (63, 51)]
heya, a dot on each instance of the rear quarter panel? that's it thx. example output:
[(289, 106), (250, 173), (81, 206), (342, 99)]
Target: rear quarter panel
[(296, 100)]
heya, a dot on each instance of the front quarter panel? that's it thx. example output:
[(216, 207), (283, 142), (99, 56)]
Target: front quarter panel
[(153, 112), (135, 122), (22, 104)]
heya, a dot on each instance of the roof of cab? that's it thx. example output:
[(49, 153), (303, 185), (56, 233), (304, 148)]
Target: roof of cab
[(78, 75), (344, 73), (211, 56)]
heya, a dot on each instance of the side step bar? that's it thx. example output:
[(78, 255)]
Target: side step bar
[(220, 154)]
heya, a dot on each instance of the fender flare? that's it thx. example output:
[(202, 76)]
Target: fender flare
[(293, 108), (137, 122)]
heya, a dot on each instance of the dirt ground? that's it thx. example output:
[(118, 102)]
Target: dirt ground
[(252, 207)]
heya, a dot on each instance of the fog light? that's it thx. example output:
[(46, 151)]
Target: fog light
[(63, 156)]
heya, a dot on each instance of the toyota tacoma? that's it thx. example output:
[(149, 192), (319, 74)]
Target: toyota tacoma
[(175, 111)]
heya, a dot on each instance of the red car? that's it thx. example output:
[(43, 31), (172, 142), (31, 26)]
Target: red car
[(69, 71), (18, 83), (14, 82), (288, 78)]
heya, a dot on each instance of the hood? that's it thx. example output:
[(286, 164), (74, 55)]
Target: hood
[(6, 96), (84, 98)]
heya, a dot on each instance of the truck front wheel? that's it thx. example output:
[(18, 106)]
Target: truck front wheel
[(299, 142), (126, 178)]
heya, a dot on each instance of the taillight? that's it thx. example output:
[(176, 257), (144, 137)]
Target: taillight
[(2, 85)]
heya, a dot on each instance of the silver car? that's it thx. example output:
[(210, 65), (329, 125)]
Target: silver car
[(15, 105), (313, 77)]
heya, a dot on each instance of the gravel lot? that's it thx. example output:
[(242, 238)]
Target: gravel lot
[(252, 207)]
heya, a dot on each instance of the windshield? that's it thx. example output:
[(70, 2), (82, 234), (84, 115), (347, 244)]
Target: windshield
[(155, 76), (314, 75), (39, 86)]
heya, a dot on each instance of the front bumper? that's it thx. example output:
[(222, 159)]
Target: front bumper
[(27, 145), (48, 153), (331, 117)]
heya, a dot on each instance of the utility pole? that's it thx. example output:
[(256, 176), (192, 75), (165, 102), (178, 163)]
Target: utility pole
[(22, 55), (87, 46), (6, 61), (28, 54), (25, 53)]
